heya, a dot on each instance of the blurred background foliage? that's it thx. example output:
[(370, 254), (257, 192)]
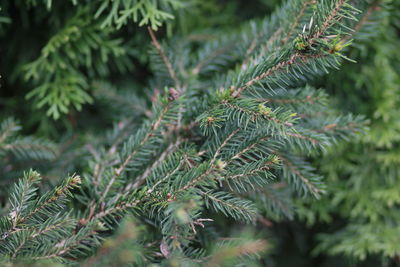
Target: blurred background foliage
[(57, 56), (57, 49)]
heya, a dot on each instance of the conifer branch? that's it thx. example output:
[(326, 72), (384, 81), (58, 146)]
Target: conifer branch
[(59, 192), (168, 151), (100, 167), (237, 92), (224, 143), (265, 48), (7, 128), (31, 146), (250, 50), (34, 235), (164, 57), (197, 179), (297, 135), (316, 191), (308, 99), (245, 150), (370, 11), (278, 33), (276, 200), (329, 20), (166, 177), (230, 205), (255, 114), (245, 249), (244, 91), (148, 135), (265, 167), (120, 207), (297, 20), (197, 69)]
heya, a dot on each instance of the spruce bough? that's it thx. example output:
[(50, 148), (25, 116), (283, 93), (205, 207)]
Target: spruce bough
[(229, 134)]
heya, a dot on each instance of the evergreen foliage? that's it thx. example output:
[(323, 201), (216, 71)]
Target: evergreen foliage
[(21, 152), (81, 47), (226, 132), (363, 175)]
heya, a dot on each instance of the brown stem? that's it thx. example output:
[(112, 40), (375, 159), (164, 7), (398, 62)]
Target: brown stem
[(164, 57)]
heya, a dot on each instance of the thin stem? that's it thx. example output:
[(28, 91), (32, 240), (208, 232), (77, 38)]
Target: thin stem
[(164, 57), (297, 20), (203, 63), (306, 181), (122, 167), (246, 149), (218, 151), (374, 7), (140, 180)]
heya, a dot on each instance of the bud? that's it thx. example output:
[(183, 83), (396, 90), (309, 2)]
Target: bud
[(101, 227), (76, 180), (182, 216), (275, 160), (264, 110), (58, 192), (300, 43), (173, 94), (337, 47), (220, 164)]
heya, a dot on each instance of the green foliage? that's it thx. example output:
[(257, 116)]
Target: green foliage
[(362, 203), (227, 134), (19, 152), (144, 12), (81, 43), (81, 47), (36, 226)]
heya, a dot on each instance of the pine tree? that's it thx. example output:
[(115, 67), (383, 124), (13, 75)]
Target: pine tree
[(228, 132)]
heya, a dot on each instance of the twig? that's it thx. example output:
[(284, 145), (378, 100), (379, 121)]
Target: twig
[(140, 180), (164, 57)]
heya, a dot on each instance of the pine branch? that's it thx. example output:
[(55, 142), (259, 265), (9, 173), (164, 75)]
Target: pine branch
[(310, 185), (171, 171), (265, 167), (141, 179), (7, 128), (297, 20), (249, 148), (218, 151), (53, 197), (121, 207), (229, 205), (164, 57), (148, 135), (367, 14), (168, 171), (197, 69)]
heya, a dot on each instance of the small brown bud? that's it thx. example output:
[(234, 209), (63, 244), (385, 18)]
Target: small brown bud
[(58, 192), (76, 180), (210, 119), (220, 164), (173, 94)]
